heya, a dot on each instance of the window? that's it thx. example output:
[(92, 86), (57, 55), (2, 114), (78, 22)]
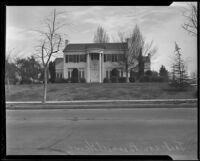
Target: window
[(74, 58), (114, 57), (83, 58), (94, 56), (105, 57), (121, 73), (77, 58), (60, 75), (83, 74), (69, 74), (120, 57), (70, 58), (108, 57), (79, 74), (107, 73)]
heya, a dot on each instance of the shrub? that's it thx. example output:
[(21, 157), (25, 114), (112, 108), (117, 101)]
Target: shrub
[(156, 79), (68, 80), (122, 80), (179, 86), (144, 79), (114, 79), (61, 80), (148, 73), (82, 80), (25, 81), (132, 79), (12, 81), (74, 80), (106, 80), (134, 74)]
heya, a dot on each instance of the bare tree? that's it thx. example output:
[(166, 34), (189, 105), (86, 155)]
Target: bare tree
[(128, 60), (136, 49), (148, 48), (50, 44), (191, 24), (101, 36)]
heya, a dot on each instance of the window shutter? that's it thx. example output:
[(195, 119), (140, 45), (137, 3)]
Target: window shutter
[(69, 74), (83, 74), (66, 59), (78, 58)]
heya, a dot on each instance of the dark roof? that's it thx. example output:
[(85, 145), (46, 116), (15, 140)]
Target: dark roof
[(58, 60), (74, 47)]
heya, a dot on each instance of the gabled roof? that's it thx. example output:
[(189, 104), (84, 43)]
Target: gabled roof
[(58, 60), (78, 47)]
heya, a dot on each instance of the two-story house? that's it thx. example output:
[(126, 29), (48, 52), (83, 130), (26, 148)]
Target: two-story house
[(94, 61)]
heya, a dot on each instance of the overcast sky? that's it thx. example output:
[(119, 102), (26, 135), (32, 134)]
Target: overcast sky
[(160, 24)]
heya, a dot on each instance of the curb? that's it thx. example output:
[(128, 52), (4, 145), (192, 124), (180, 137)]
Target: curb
[(104, 101), (139, 106)]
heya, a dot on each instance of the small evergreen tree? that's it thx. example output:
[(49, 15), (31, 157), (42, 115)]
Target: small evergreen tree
[(52, 71), (179, 73), (163, 72), (148, 73)]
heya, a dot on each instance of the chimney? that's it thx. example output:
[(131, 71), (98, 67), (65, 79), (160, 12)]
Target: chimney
[(128, 40), (66, 42), (149, 57)]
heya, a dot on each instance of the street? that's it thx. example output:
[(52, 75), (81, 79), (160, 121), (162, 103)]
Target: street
[(164, 131)]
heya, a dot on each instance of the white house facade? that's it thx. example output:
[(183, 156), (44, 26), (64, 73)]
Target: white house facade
[(94, 61)]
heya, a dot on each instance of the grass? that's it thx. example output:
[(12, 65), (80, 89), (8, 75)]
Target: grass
[(96, 91)]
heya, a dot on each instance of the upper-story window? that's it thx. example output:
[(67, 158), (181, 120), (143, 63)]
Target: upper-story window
[(75, 58), (113, 57), (94, 56), (107, 57), (83, 58)]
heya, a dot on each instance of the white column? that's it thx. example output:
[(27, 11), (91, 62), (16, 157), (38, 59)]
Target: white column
[(88, 67), (100, 67)]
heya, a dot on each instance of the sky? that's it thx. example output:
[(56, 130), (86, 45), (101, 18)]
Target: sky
[(162, 24)]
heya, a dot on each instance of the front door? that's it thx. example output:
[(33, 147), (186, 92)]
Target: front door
[(94, 67), (75, 78)]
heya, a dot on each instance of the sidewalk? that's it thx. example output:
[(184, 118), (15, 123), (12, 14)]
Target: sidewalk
[(98, 104)]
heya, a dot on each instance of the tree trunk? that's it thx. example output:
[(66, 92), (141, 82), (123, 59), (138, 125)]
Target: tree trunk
[(45, 85)]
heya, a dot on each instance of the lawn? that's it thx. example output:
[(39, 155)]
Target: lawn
[(96, 91)]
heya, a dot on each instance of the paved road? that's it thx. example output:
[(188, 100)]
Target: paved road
[(171, 131)]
